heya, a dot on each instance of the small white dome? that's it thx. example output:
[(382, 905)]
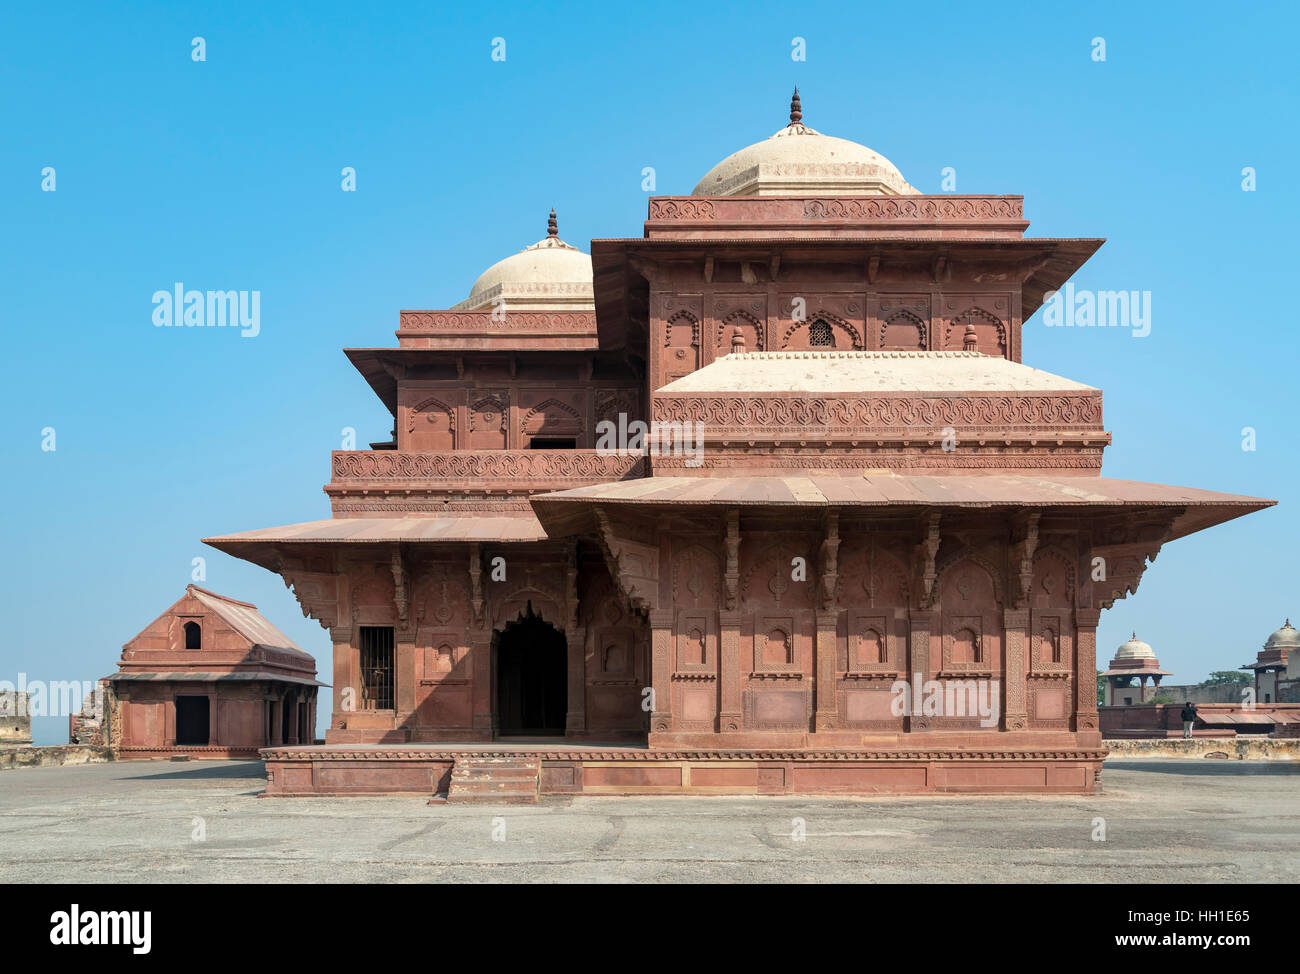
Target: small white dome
[(799, 160), (1135, 649), (550, 275), (1288, 637)]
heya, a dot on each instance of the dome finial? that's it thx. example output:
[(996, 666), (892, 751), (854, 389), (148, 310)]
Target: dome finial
[(796, 108), (1135, 635), (552, 227)]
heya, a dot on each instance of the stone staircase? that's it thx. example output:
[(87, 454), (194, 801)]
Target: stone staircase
[(494, 780)]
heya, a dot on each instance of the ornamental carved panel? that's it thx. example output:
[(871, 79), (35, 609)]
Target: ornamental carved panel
[(488, 418), (430, 425), (971, 632)]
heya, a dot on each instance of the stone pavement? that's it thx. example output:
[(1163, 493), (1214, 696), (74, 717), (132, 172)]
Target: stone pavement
[(1166, 821)]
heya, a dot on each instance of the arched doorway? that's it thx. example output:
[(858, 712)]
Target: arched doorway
[(531, 677)]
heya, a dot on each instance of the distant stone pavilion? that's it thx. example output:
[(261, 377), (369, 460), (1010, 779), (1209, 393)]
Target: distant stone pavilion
[(863, 495), (1134, 660), (209, 678)]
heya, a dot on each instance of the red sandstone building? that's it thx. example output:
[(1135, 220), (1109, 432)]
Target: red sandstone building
[(876, 489), (210, 678)]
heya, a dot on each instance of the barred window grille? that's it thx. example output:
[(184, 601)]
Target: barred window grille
[(820, 335), (377, 667)]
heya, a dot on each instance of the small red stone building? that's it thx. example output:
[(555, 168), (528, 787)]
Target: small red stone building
[(210, 678), (876, 492)]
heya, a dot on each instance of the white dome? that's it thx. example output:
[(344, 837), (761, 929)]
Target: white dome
[(1135, 649), (798, 160), (550, 275), (1288, 637)]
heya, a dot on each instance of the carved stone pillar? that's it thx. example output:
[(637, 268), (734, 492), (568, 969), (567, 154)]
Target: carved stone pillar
[(480, 661), (575, 718), (661, 670), (347, 694), (1015, 623), (730, 712), (920, 623), (827, 665), (404, 675), (1085, 677)]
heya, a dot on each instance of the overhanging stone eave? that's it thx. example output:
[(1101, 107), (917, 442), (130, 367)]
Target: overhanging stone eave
[(1085, 497)]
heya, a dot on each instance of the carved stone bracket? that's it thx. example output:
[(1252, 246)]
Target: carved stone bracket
[(634, 565), (571, 584), (927, 552), (401, 598), (731, 575), (829, 557), (1024, 545), (476, 581), (1125, 550)]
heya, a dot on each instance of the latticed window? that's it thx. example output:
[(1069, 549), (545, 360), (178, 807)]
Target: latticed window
[(376, 667), (820, 335)]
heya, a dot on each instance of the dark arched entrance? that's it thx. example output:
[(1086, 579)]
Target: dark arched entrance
[(532, 678)]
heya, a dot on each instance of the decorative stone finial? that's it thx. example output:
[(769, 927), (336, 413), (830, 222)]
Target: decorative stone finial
[(1134, 636), (552, 228), (969, 340), (737, 340), (796, 109)]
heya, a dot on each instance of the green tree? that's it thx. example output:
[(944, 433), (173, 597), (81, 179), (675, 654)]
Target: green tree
[(1231, 678)]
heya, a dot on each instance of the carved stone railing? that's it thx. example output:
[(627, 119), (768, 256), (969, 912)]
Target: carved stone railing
[(522, 329), (498, 470), (869, 417), (1002, 215)]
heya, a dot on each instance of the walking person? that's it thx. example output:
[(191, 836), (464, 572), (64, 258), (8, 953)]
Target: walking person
[(1189, 718)]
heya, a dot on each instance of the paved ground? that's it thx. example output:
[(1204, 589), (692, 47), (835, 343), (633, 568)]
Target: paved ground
[(1166, 821)]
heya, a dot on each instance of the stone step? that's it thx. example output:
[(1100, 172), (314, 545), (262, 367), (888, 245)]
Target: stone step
[(487, 780)]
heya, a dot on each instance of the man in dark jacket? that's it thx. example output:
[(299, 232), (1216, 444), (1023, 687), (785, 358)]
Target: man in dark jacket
[(1189, 718)]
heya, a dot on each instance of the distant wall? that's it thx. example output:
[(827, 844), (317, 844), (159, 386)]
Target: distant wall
[(15, 718)]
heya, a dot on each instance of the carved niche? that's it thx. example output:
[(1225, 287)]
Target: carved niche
[(873, 590), (778, 595), (681, 345), (553, 418), (488, 417), (990, 332), (430, 426), (971, 617), (697, 593), (751, 330)]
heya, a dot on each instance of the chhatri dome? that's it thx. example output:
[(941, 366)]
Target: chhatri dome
[(798, 160), (1135, 649), (551, 275), (1288, 637)]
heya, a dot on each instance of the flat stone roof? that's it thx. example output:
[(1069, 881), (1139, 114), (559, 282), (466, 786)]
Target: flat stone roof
[(866, 372)]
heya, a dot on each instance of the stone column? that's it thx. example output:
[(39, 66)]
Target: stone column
[(729, 713), (480, 661), (404, 675), (347, 694), (1085, 676), (827, 666), (920, 622), (661, 669), (575, 719), (1015, 626)]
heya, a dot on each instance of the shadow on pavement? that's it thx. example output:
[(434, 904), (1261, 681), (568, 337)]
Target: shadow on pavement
[(1208, 767), (207, 771)]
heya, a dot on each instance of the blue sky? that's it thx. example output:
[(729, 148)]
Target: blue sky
[(226, 174)]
